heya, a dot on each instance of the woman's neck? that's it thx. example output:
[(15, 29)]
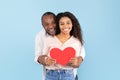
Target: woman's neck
[(63, 37)]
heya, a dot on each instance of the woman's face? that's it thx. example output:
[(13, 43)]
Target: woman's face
[(65, 25)]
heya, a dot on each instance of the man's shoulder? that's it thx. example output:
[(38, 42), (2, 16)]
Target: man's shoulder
[(51, 39), (42, 32)]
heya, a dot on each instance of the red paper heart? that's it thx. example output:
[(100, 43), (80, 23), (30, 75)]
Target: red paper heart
[(62, 56)]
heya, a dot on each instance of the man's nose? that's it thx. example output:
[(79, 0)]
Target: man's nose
[(51, 26)]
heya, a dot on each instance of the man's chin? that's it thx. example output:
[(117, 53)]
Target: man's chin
[(52, 33)]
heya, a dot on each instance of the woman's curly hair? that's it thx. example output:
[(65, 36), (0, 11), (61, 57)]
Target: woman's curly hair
[(76, 29)]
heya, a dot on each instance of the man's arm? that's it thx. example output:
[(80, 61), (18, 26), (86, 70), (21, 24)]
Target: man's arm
[(38, 46), (41, 48), (41, 59)]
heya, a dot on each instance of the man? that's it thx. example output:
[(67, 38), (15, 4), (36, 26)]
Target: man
[(49, 24)]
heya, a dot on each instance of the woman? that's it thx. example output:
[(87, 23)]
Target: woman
[(63, 47)]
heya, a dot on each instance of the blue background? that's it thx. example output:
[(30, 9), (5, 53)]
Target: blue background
[(20, 22)]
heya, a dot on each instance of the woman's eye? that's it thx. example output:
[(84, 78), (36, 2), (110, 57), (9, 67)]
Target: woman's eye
[(61, 24)]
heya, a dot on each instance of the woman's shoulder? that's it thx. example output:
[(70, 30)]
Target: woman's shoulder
[(74, 38)]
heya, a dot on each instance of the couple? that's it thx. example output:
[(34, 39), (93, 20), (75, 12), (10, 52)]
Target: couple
[(61, 33)]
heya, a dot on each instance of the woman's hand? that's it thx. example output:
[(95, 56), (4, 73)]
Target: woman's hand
[(45, 60), (49, 61), (75, 62)]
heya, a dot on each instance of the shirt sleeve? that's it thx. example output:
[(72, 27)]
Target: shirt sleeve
[(46, 46), (82, 52), (38, 47)]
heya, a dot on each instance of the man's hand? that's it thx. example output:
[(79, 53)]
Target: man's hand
[(75, 62)]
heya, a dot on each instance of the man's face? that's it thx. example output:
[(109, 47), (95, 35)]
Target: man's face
[(49, 24)]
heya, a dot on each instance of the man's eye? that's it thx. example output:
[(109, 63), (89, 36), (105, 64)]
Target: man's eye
[(46, 24)]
